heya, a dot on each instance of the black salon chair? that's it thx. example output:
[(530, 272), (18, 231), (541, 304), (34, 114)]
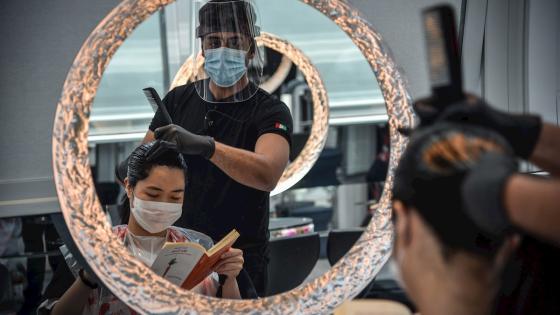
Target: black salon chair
[(5, 285), (291, 260), (108, 192), (339, 243)]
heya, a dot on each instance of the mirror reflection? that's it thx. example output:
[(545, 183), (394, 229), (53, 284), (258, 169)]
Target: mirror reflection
[(187, 185), (177, 191), (304, 230)]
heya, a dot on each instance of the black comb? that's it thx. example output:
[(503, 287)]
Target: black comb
[(155, 101), (443, 55)]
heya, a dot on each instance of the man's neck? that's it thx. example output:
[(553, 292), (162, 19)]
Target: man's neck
[(468, 287), (220, 93)]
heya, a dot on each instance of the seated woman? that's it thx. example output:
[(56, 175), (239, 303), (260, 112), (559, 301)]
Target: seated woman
[(155, 187)]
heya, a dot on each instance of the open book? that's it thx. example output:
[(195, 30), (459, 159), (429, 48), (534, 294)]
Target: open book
[(187, 264)]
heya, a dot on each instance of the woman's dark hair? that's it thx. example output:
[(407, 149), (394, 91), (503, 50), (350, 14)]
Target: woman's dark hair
[(148, 155), (429, 178), (143, 159)]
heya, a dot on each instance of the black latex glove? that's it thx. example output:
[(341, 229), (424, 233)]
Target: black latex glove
[(187, 142), (159, 148), (521, 131), (483, 192)]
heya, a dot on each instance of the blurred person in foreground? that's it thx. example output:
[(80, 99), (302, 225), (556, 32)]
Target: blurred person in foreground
[(505, 199), (500, 200), (448, 264)]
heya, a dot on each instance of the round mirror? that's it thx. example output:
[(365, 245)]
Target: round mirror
[(118, 269)]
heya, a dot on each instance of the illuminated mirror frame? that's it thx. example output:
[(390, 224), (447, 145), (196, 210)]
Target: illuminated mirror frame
[(133, 282), (297, 169)]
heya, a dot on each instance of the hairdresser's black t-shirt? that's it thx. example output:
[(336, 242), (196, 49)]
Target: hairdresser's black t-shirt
[(214, 203)]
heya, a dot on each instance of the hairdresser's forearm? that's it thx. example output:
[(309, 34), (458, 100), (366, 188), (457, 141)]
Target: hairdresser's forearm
[(532, 204), (230, 289), (547, 151), (73, 300), (246, 167), (149, 137)]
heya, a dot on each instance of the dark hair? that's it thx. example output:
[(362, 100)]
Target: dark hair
[(143, 159), (429, 178), (148, 155)]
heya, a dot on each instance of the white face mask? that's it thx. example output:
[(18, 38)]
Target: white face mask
[(154, 216)]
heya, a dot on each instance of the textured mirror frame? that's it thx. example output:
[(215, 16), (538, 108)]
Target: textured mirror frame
[(127, 277)]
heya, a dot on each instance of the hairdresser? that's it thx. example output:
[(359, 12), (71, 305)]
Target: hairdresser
[(235, 136), (498, 198)]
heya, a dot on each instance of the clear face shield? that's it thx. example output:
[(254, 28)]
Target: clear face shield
[(225, 40)]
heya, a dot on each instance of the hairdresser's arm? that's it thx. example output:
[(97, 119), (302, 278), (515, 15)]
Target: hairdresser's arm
[(73, 300), (547, 151), (260, 169), (532, 204), (149, 137)]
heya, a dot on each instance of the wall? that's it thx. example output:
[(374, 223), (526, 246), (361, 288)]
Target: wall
[(39, 42), (399, 23), (543, 61), (519, 69)]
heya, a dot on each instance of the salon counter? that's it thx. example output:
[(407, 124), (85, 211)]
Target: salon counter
[(290, 226)]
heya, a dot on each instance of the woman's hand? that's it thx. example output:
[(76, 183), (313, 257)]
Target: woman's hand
[(230, 264)]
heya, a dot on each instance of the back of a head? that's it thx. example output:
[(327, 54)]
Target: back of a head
[(429, 179)]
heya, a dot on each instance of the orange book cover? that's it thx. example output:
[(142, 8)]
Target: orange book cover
[(187, 264), (206, 264)]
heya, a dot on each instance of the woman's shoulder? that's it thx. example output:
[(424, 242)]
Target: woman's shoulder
[(193, 236), (120, 231)]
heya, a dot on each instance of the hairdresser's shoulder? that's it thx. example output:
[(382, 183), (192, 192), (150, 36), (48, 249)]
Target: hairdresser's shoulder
[(180, 89)]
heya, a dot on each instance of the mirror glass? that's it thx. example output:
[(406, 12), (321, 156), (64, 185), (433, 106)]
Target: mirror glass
[(315, 222)]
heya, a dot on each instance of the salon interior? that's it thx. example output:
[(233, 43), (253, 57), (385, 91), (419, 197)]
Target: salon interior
[(348, 71)]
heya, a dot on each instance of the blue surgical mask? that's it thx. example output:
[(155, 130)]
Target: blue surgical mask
[(225, 66)]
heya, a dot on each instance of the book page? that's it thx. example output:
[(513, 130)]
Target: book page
[(176, 261), (226, 242)]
